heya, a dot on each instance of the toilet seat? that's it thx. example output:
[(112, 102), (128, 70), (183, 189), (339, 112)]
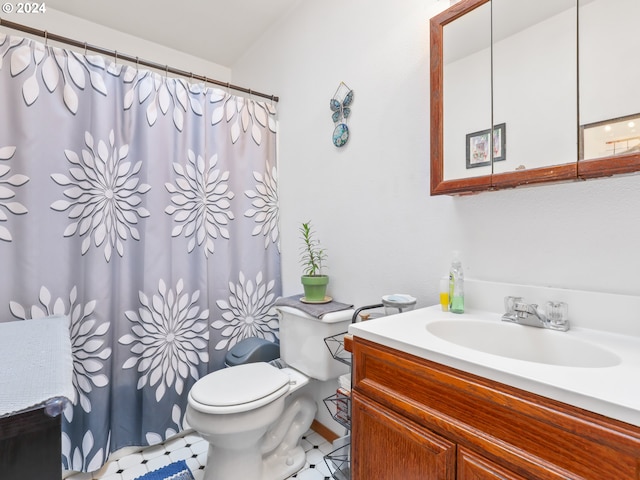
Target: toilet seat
[(238, 389)]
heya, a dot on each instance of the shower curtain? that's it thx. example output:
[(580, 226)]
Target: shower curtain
[(145, 208)]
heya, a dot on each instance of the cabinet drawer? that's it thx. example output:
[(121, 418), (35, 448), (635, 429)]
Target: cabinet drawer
[(527, 434)]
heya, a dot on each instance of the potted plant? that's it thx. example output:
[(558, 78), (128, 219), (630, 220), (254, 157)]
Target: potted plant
[(312, 257)]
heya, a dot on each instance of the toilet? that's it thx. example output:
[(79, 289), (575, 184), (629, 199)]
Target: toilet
[(253, 415)]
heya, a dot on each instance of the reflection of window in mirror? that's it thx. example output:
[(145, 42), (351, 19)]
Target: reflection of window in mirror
[(609, 78), (535, 81), (619, 136)]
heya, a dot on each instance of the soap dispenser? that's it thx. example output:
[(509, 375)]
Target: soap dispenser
[(456, 285)]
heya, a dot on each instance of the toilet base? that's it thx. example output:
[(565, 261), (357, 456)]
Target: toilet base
[(283, 455), (226, 464), (245, 464), (277, 467), (274, 454)]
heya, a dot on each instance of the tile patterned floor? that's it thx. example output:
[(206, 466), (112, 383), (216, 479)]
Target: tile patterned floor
[(193, 449)]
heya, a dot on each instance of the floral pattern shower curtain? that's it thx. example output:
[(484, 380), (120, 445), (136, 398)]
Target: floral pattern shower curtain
[(145, 208)]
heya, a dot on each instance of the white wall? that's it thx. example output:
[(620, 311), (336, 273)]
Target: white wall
[(370, 200)]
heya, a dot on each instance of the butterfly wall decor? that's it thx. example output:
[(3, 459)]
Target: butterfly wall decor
[(340, 105)]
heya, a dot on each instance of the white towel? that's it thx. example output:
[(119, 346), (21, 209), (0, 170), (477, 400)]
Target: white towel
[(35, 363), (345, 382)]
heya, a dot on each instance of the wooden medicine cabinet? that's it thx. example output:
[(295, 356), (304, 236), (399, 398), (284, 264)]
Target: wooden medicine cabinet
[(533, 91)]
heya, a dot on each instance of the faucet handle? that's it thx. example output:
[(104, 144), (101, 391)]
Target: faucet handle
[(510, 304), (557, 313)]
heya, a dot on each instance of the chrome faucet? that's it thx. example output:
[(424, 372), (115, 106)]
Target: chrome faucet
[(530, 314)]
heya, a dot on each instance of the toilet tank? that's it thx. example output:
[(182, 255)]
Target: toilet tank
[(302, 341)]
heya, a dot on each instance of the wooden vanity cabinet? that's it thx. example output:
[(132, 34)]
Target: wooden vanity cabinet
[(385, 435), (413, 419), (472, 466)]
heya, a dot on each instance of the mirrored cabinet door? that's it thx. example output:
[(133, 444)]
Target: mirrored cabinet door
[(609, 77), (534, 84), (460, 79), (467, 95), (560, 101)]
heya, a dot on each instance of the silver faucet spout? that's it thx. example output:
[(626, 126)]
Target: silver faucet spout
[(526, 310)]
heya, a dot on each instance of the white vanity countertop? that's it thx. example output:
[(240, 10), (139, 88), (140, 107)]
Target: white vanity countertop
[(611, 391)]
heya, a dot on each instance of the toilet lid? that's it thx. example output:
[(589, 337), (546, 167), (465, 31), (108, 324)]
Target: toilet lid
[(238, 385)]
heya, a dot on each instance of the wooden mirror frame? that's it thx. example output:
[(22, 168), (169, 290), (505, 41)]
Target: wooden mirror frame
[(438, 185), (580, 169)]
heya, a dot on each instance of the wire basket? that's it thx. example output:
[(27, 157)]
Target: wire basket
[(339, 406), (339, 462), (335, 344)]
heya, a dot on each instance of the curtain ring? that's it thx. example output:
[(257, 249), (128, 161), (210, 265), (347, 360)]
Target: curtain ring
[(137, 63), (85, 49), (46, 38), (115, 57), (166, 71)]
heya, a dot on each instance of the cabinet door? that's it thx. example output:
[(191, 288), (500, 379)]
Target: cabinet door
[(386, 446), (472, 466)]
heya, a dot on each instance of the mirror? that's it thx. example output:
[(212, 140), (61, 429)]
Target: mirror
[(609, 78), (535, 82), (537, 134), (467, 103), (460, 55)]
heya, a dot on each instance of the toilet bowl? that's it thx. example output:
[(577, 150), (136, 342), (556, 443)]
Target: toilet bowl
[(254, 415)]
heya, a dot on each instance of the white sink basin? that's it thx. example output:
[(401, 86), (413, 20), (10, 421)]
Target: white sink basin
[(591, 369), (523, 343)]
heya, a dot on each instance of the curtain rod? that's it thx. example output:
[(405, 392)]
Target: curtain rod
[(138, 61)]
